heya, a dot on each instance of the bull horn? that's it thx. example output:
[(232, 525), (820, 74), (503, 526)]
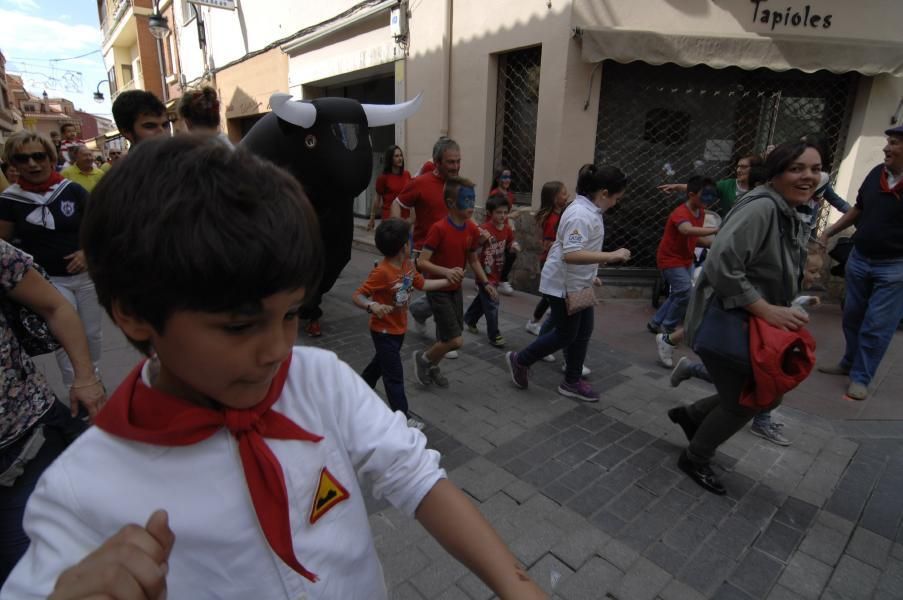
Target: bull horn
[(296, 112), (386, 114)]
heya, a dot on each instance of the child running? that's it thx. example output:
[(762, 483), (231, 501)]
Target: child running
[(497, 241), (553, 198), (240, 452), (450, 245), (385, 295)]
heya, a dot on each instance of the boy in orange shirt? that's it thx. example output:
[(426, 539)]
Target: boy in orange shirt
[(386, 295)]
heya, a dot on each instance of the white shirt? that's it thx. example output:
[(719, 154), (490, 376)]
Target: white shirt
[(102, 482), (581, 228)]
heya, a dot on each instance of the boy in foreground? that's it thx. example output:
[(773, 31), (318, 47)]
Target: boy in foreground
[(250, 446)]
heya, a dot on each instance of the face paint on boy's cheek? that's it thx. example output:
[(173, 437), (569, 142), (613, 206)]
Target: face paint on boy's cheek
[(466, 198), (709, 198)]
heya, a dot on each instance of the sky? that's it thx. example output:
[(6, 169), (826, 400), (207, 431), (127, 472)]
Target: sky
[(35, 34)]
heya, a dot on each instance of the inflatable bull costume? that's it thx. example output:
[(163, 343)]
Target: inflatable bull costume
[(325, 144)]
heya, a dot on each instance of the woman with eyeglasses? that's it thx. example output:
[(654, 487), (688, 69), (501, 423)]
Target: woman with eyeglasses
[(44, 212), (728, 189)]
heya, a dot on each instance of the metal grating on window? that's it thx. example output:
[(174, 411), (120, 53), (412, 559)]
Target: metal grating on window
[(662, 124), (516, 109)]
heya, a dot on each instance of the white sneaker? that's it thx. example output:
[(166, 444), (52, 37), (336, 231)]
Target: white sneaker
[(452, 354), (505, 288), (414, 423), (586, 370), (665, 351), (549, 358), (533, 327), (420, 326)]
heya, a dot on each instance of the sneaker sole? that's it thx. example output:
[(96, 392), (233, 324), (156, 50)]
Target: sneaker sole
[(758, 433), (576, 396), (416, 374)]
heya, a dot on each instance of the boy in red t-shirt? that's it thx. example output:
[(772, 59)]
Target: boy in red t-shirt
[(498, 240), (385, 295), (675, 255), (451, 244)]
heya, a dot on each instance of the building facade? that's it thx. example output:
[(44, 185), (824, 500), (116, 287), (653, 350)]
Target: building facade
[(9, 122), (661, 89)]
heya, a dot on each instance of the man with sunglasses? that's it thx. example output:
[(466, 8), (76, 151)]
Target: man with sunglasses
[(83, 171)]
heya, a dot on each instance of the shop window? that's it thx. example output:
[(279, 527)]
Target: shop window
[(516, 110), (662, 124), (669, 127)]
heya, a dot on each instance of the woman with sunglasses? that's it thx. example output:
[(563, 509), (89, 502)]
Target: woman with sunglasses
[(44, 212)]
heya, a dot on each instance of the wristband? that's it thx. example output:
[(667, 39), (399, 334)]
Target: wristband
[(370, 307)]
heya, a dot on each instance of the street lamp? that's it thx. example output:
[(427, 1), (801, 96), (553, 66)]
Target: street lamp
[(158, 25), (98, 95)]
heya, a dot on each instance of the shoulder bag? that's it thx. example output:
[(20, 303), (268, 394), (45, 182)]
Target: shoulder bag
[(30, 329)]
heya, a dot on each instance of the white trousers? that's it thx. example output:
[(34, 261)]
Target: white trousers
[(79, 291)]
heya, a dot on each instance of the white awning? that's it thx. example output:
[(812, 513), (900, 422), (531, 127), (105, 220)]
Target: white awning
[(746, 51)]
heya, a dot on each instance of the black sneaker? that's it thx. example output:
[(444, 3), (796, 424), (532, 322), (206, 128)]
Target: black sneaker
[(421, 367), (701, 474)]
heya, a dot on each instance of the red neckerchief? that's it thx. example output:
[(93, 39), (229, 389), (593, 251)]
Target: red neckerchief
[(896, 190), (139, 413), (40, 188)]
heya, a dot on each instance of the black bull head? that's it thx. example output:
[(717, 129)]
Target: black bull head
[(325, 144)]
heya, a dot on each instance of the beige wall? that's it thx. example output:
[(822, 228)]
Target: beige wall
[(565, 132), (245, 88)]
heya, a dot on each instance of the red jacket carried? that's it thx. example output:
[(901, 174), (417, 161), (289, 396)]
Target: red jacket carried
[(780, 359)]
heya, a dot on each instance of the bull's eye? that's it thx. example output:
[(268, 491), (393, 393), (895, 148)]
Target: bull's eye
[(310, 141)]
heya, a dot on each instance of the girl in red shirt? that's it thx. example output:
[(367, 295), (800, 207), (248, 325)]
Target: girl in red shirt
[(553, 198), (389, 184)]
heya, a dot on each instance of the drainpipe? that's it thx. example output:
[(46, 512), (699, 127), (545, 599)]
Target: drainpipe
[(445, 116)]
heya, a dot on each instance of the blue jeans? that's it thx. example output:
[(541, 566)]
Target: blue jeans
[(671, 313), (386, 363), (873, 307), (572, 332), (482, 305)]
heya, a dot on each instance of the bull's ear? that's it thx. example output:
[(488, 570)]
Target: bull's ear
[(297, 112), (386, 114)]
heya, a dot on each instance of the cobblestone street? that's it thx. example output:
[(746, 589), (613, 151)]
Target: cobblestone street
[(589, 497)]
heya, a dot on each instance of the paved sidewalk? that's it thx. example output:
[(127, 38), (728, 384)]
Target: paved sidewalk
[(589, 497)]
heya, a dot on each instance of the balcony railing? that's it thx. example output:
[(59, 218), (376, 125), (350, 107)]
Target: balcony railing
[(118, 8), (132, 85)]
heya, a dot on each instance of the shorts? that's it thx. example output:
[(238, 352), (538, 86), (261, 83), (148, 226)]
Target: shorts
[(448, 312)]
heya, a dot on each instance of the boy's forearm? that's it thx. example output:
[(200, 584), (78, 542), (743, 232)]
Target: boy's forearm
[(448, 515), (425, 266), (360, 300), (433, 285), (479, 274)]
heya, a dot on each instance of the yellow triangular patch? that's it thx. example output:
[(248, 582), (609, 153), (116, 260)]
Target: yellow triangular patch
[(329, 493)]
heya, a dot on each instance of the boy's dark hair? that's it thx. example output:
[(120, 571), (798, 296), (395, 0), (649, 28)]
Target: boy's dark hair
[(495, 202), (758, 175), (201, 107), (128, 105), (780, 159), (391, 236), (697, 183), (593, 178), (450, 193), (220, 232)]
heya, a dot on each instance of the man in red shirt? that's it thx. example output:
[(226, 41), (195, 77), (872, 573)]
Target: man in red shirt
[(674, 258), (425, 194)]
